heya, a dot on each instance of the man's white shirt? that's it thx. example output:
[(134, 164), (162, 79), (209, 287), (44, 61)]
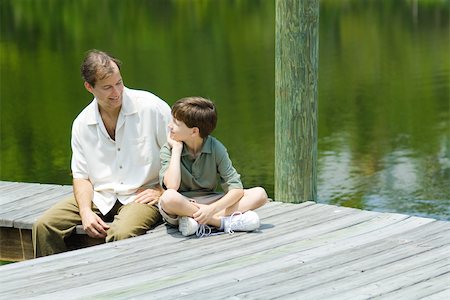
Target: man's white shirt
[(118, 168)]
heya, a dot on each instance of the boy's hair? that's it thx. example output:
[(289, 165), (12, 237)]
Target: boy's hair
[(97, 66), (196, 112)]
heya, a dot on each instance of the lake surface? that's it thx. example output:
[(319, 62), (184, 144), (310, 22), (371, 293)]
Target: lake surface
[(384, 99)]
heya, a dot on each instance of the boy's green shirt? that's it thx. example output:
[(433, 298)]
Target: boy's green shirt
[(200, 176)]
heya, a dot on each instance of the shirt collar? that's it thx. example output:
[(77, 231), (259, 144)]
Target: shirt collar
[(206, 148), (128, 108)]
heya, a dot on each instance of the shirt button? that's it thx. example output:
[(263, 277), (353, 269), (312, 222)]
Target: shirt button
[(118, 149), (120, 167)]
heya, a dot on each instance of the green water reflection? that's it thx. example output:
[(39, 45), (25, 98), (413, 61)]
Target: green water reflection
[(384, 132)]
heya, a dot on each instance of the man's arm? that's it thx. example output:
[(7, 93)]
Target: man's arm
[(92, 224), (151, 196)]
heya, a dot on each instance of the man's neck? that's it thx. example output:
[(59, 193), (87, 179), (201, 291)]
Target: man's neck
[(109, 119)]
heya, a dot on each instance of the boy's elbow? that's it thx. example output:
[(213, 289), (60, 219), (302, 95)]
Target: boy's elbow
[(172, 186)]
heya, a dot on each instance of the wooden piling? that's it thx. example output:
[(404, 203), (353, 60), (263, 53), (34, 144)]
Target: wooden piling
[(296, 80)]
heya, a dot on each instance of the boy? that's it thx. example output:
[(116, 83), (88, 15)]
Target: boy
[(191, 160)]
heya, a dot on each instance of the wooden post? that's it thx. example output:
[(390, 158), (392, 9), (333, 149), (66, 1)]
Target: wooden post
[(296, 76)]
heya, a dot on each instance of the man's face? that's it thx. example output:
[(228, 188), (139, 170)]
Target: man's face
[(108, 91)]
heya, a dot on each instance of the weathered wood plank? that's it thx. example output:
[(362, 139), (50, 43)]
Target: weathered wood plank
[(25, 201), (405, 275), (197, 254), (16, 244), (289, 261), (23, 213), (445, 294), (6, 185), (428, 288), (25, 220), (24, 191), (301, 251), (304, 263)]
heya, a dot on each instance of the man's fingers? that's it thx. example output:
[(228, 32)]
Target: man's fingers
[(97, 229), (103, 225), (92, 232), (100, 228), (146, 197), (153, 202)]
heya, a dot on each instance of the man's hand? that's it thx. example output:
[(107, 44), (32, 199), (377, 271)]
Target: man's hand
[(93, 224), (148, 196)]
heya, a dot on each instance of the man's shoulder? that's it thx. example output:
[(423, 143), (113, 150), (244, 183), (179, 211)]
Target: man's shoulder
[(87, 115), (145, 99)]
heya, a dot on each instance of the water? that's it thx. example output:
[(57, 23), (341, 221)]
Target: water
[(384, 108)]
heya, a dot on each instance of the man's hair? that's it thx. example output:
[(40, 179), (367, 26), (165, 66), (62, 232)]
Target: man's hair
[(97, 66), (196, 112)]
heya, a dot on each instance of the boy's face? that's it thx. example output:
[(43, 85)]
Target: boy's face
[(179, 131)]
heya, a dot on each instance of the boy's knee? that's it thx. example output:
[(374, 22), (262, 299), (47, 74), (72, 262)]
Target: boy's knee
[(261, 195), (168, 198)]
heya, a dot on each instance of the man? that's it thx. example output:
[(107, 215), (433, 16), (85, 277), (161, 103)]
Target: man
[(116, 141)]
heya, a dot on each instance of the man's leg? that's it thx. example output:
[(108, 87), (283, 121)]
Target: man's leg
[(50, 230), (132, 219)]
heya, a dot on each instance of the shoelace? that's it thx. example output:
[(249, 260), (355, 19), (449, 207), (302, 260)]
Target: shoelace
[(234, 223), (203, 230)]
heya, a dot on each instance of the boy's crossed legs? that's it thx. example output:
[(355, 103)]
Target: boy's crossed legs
[(177, 208)]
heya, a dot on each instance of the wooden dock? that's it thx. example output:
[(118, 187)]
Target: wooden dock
[(20, 205), (302, 251)]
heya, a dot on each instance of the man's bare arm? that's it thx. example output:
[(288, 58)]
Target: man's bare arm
[(92, 224)]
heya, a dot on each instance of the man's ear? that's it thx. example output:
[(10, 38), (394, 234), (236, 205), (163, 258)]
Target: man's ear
[(88, 87)]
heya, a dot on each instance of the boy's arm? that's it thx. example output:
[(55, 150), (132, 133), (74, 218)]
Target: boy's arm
[(172, 177), (206, 212), (231, 184)]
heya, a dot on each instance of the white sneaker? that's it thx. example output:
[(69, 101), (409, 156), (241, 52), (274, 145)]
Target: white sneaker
[(238, 221), (187, 226)]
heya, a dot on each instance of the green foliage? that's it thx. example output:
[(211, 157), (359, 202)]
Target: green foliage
[(384, 112)]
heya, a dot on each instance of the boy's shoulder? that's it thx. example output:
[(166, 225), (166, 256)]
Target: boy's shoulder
[(213, 145)]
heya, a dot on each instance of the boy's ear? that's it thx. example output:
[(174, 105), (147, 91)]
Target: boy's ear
[(195, 130)]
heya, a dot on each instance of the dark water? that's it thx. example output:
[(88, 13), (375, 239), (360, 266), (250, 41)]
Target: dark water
[(384, 108)]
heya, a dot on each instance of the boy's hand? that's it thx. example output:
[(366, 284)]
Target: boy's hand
[(173, 143), (204, 213)]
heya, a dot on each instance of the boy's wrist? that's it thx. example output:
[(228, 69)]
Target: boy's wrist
[(177, 148)]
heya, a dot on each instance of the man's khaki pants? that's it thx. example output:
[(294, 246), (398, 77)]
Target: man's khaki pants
[(60, 221)]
